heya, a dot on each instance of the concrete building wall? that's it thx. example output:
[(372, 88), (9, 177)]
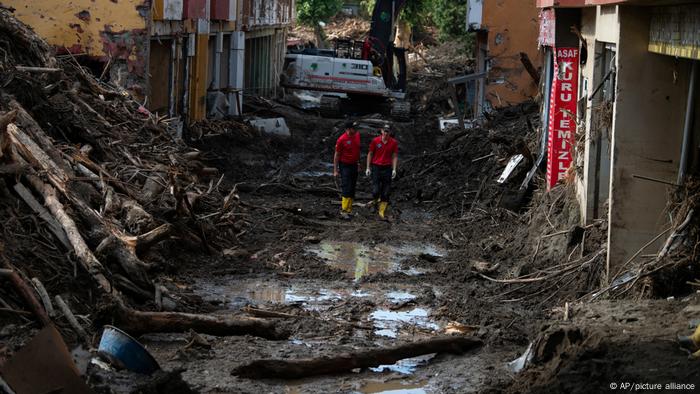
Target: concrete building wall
[(111, 31), (600, 29), (647, 131), (513, 27)]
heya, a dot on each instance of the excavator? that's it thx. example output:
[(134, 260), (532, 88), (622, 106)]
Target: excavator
[(356, 75)]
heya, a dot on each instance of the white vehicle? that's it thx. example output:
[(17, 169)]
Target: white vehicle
[(346, 82), (369, 73)]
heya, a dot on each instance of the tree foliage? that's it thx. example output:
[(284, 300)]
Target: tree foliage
[(447, 15), (311, 12)]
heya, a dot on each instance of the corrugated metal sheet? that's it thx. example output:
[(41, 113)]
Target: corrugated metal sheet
[(674, 31)]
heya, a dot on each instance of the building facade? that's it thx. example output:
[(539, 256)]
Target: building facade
[(629, 136), (183, 58), (506, 33)]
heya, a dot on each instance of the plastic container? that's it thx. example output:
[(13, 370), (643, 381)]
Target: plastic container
[(120, 346)]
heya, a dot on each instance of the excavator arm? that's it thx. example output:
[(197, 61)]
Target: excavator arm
[(378, 46)]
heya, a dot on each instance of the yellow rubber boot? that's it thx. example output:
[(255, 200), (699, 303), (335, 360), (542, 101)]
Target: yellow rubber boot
[(696, 336), (691, 343), (382, 209), (344, 204), (349, 207), (695, 355)]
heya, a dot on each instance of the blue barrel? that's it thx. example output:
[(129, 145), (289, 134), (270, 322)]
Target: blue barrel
[(119, 345)]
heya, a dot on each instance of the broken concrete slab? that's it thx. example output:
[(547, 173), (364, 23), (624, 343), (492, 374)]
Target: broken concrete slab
[(271, 126)]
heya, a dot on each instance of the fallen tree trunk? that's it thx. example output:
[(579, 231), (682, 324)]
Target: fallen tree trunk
[(293, 369), (137, 322), (30, 151), (27, 294), (82, 251)]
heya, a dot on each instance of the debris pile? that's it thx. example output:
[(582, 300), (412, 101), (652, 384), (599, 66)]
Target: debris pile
[(340, 27), (461, 174), (673, 270), (97, 198)]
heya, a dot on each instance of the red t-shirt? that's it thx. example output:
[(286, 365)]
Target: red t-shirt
[(348, 148), (383, 153)]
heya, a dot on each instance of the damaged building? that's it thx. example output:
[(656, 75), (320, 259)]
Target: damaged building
[(183, 58), (621, 119), (505, 33)]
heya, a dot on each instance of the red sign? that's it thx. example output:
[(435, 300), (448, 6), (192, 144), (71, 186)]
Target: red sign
[(562, 114)]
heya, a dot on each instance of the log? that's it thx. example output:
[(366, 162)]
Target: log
[(294, 369), (155, 184), (138, 322), (38, 69), (22, 36), (114, 248), (33, 153), (145, 241), (27, 123), (71, 319), (27, 294), (82, 251), (44, 295), (13, 169), (54, 226)]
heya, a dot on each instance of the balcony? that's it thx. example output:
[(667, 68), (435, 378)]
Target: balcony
[(257, 14)]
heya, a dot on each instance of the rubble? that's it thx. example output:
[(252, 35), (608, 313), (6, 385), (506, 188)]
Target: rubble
[(205, 245), (115, 185)]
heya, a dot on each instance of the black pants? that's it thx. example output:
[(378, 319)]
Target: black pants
[(348, 179), (381, 182)]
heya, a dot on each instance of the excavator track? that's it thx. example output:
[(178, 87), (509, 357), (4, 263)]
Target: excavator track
[(330, 107), (401, 110)]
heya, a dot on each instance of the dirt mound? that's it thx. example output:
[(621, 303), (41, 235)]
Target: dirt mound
[(610, 343), (672, 271), (461, 172)]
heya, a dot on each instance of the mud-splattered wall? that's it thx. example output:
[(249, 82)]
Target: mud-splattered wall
[(513, 27), (113, 31)]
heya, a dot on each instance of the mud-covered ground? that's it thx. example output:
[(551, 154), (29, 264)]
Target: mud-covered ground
[(365, 283), (257, 233)]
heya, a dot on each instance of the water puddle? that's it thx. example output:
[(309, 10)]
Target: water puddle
[(390, 323), (324, 169), (235, 294), (393, 387), (360, 260), (406, 366)]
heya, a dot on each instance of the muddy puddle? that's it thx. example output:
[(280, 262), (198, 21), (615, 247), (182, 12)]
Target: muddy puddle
[(390, 323), (360, 260), (319, 170), (234, 294)]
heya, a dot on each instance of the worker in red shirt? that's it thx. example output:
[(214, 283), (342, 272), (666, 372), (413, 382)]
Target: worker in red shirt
[(382, 160), (346, 163)]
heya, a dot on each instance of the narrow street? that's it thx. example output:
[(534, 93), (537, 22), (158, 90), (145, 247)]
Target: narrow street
[(339, 286), (162, 235)]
